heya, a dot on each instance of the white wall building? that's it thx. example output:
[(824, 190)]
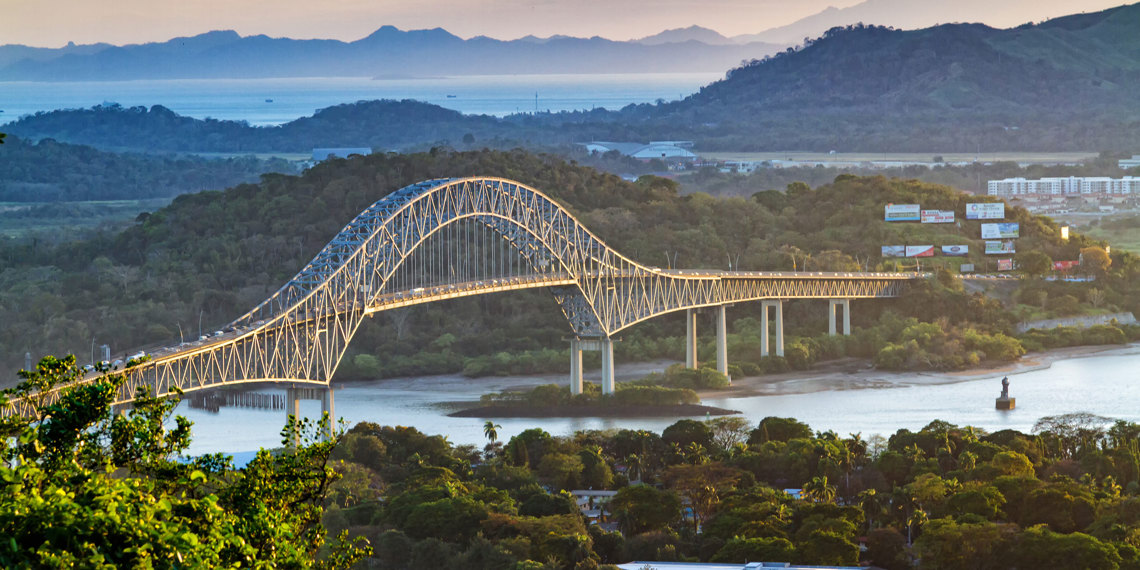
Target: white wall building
[(1070, 186), (1130, 162)]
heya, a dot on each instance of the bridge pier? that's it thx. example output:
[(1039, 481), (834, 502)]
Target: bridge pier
[(607, 365), (328, 412), (603, 344), (293, 410), (690, 338), (575, 367), (831, 305), (722, 342), (778, 305), (293, 397)]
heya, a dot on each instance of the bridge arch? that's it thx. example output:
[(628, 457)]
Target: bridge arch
[(300, 333)]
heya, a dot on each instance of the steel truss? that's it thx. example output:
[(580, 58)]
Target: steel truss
[(300, 333)]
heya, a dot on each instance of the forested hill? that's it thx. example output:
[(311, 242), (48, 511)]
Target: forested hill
[(50, 171), (382, 125), (1067, 83), (217, 254)]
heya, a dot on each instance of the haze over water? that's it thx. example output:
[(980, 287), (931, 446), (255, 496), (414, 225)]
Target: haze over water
[(246, 99)]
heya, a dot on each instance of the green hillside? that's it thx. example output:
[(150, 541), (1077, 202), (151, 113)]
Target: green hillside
[(213, 255), (1069, 83)]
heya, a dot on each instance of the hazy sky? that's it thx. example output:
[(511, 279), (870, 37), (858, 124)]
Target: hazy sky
[(52, 23)]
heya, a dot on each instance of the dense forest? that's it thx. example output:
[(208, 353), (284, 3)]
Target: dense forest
[(49, 171), (209, 257), (950, 88), (943, 497)]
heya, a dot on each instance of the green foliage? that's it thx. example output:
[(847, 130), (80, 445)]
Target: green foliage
[(753, 549), (641, 508), (91, 489), (779, 429)]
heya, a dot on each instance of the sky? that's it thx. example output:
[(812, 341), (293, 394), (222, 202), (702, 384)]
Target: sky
[(53, 23)]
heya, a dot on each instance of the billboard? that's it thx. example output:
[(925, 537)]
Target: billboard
[(1001, 231), (1065, 265), (902, 212), (1005, 265), (920, 251), (894, 251), (956, 250), (985, 211), (999, 247), (966, 268), (938, 216)]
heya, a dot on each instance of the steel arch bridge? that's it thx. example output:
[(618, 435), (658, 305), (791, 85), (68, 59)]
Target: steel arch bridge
[(449, 238)]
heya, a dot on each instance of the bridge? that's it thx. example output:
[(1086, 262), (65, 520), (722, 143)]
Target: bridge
[(450, 238)]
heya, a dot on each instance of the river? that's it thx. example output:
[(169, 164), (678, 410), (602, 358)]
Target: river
[(275, 101), (1104, 384)]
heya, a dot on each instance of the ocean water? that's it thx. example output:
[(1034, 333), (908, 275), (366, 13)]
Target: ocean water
[(1103, 384), (276, 101)]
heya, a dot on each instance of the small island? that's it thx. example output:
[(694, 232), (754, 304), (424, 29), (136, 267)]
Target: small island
[(669, 394)]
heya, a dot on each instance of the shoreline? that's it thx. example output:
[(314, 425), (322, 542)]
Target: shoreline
[(858, 374), (593, 411), (849, 373)]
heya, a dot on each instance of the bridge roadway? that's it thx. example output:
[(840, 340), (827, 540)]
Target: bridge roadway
[(298, 336)]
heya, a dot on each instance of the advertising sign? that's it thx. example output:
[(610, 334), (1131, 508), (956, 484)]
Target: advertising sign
[(920, 251), (956, 250), (1065, 265), (1005, 265), (999, 247), (938, 216), (894, 251), (902, 212), (1001, 231), (985, 211), (966, 268)]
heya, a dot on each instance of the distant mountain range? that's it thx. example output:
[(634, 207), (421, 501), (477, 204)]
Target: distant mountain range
[(1071, 83), (388, 52)]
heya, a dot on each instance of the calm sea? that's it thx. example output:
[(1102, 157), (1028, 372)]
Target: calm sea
[(276, 101), (1105, 385)]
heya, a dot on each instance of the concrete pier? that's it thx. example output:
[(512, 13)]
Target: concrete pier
[(778, 305), (690, 338)]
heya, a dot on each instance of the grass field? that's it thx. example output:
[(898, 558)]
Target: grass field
[(858, 157), (60, 220)]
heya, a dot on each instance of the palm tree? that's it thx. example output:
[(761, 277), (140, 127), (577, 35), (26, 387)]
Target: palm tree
[(696, 453), (869, 501), (818, 490), (491, 430), (739, 448), (633, 465), (967, 461), (918, 517)]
